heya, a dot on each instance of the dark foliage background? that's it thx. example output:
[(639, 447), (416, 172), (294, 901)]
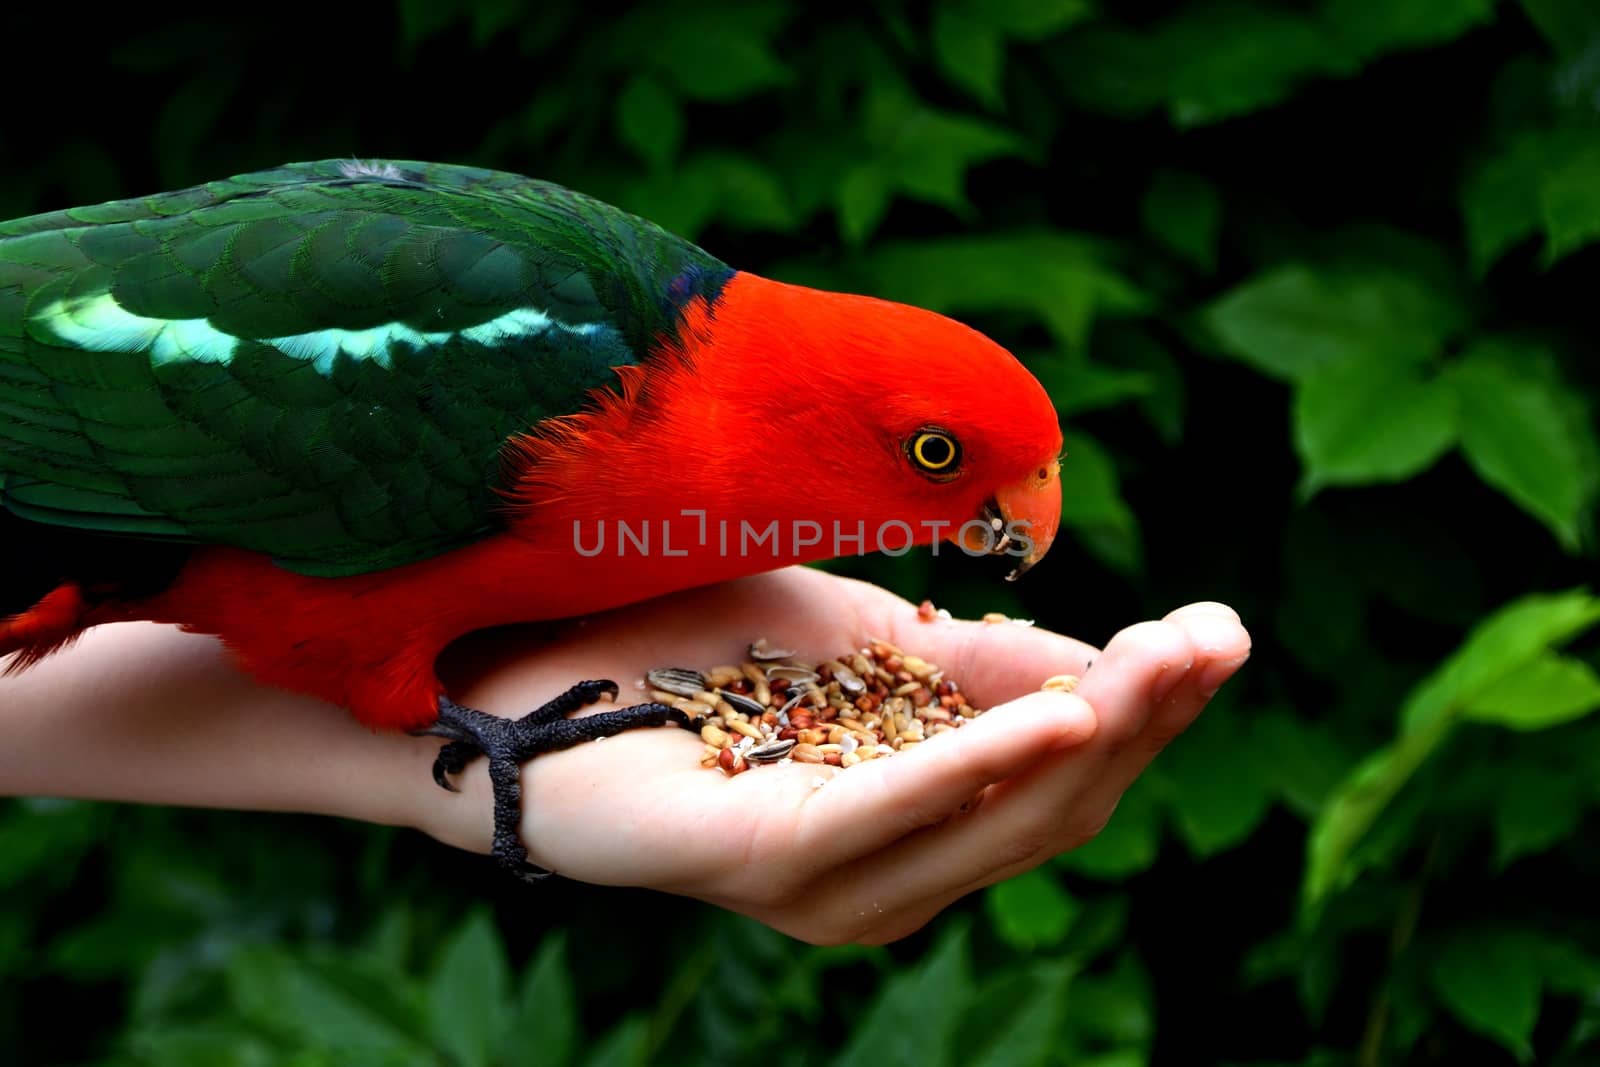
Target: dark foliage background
[(1312, 284)]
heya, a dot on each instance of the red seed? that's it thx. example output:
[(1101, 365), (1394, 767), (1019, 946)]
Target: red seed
[(788, 732), (926, 611)]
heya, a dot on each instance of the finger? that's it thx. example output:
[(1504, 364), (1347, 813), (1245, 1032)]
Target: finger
[(1035, 813), (1220, 647), (993, 662), (883, 800)]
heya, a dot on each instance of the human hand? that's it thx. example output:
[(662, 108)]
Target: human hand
[(876, 852)]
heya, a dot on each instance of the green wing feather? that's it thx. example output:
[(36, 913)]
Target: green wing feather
[(321, 362)]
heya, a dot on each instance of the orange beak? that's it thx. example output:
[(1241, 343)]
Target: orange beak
[(1031, 509)]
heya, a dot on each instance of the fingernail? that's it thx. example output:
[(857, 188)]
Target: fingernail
[(1211, 633)]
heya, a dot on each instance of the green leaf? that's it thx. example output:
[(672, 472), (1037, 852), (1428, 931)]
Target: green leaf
[(1220, 789), (969, 37), (545, 1017), (1030, 20), (649, 120), (1517, 434), (1076, 385), (711, 186), (1064, 280), (1491, 981), (1370, 418), (929, 151), (709, 51), (1095, 510), (1184, 212), (1294, 320), (625, 1046), (1569, 199), (1305, 760), (1569, 25), (468, 993), (1500, 198), (943, 976), (1031, 910), (1236, 59), (1505, 643), (1535, 808), (970, 51), (1371, 29), (1031, 1036), (280, 992), (1115, 1008), (1161, 396), (1130, 841), (1551, 690), (862, 200)]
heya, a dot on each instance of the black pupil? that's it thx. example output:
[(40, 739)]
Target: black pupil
[(936, 451)]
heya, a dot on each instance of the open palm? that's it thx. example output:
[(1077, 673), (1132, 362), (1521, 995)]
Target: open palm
[(873, 853)]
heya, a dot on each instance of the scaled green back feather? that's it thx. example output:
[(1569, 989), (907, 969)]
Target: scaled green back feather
[(321, 362)]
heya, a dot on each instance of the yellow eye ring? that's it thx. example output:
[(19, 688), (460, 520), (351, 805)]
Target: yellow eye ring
[(934, 452)]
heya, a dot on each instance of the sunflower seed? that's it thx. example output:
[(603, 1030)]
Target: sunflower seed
[(745, 704), (771, 752), (793, 674), (679, 680), (760, 650)]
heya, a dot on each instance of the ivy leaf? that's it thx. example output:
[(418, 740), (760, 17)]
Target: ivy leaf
[(546, 1013), (1500, 199), (649, 120), (1569, 25), (709, 51), (1095, 509), (970, 51), (1220, 790), (468, 992), (1518, 435), (1370, 418), (1031, 20), (1304, 760), (910, 148), (1031, 910), (1491, 981), (862, 199), (1569, 199), (1294, 320), (1551, 690), (1030, 1036), (1184, 212), (1534, 809), (1065, 280), (1237, 59), (711, 186), (1076, 385), (624, 1046), (283, 994), (969, 38), (1371, 29), (1507, 642), (943, 976), (1129, 842)]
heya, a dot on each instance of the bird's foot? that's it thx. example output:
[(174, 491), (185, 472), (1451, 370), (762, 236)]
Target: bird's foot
[(507, 742)]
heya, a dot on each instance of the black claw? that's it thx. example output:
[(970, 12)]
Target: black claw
[(508, 742)]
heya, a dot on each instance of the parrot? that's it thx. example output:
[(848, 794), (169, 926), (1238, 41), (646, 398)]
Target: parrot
[(339, 414)]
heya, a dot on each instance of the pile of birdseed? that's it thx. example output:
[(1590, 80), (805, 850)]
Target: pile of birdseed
[(772, 708)]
